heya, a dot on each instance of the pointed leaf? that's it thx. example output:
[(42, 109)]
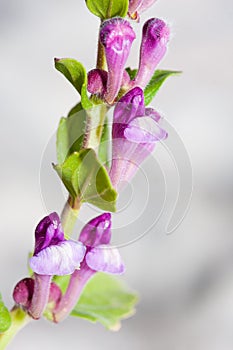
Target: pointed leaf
[(77, 76), (108, 8), (87, 179), (106, 299), (155, 83), (5, 317)]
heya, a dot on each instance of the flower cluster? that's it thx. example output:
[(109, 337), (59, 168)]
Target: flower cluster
[(135, 128), (54, 255), (117, 36)]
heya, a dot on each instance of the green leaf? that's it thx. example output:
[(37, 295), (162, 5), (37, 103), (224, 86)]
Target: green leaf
[(132, 72), (5, 317), (77, 76), (70, 134), (155, 83), (62, 282), (108, 8), (87, 179), (77, 108), (106, 299)]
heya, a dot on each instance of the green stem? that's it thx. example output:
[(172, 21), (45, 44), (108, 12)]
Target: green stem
[(19, 320), (101, 61), (69, 216), (95, 123)]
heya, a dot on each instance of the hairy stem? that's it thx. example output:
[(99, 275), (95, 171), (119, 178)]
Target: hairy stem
[(40, 295), (76, 285)]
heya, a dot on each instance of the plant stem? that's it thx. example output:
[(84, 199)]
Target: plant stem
[(19, 320), (76, 285), (69, 216), (101, 61)]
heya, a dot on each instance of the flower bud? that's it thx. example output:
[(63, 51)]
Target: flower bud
[(153, 47), (97, 82), (117, 36), (23, 292)]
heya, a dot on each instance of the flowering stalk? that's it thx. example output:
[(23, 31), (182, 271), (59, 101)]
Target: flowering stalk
[(135, 131)]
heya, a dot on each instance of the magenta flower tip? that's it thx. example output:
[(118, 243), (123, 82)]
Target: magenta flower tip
[(97, 231)]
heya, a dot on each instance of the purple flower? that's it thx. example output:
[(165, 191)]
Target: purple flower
[(155, 37), (116, 35), (100, 256), (135, 132), (53, 255), (136, 7)]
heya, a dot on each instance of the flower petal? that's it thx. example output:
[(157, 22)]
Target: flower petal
[(106, 259), (48, 231), (60, 259), (144, 130), (97, 231), (153, 47), (130, 105)]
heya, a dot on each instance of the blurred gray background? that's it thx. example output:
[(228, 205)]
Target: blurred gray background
[(185, 279)]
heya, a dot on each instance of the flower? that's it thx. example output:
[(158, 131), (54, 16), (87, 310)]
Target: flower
[(53, 255), (135, 132), (136, 7), (155, 37), (116, 35), (100, 256)]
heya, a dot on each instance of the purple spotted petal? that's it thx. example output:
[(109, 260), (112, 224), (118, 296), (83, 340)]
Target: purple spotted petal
[(48, 232), (60, 259), (97, 231), (105, 259), (144, 130)]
